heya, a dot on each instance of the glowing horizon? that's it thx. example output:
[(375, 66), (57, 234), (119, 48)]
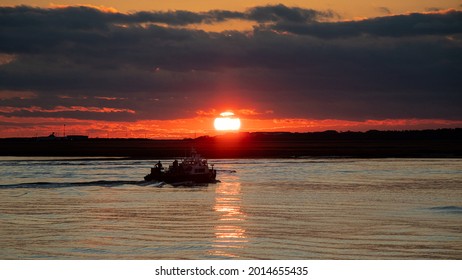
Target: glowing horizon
[(201, 126)]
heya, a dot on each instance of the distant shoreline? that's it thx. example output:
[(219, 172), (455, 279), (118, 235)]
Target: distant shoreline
[(440, 143)]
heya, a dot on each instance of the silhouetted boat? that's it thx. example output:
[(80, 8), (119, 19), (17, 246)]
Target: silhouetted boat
[(193, 169)]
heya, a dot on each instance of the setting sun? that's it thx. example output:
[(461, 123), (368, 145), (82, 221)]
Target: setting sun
[(227, 121)]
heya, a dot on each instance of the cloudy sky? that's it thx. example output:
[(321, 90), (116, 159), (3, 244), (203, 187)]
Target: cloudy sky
[(166, 70)]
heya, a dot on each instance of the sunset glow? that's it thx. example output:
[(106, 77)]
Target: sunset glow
[(227, 122), (167, 69)]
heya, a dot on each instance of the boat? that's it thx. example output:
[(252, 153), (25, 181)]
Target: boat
[(193, 169)]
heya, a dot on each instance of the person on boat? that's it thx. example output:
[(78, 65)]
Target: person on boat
[(174, 166), (181, 168), (159, 165)]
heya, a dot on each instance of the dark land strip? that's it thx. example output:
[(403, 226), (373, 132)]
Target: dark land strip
[(440, 143)]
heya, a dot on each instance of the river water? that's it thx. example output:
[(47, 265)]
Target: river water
[(311, 208)]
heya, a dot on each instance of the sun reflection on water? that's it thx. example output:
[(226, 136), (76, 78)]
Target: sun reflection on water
[(230, 235)]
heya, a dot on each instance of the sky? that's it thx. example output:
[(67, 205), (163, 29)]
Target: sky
[(166, 69)]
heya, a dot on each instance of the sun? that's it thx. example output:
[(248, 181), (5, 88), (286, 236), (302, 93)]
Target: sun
[(227, 122)]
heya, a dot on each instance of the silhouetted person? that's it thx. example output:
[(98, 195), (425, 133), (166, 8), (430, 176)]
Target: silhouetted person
[(159, 165)]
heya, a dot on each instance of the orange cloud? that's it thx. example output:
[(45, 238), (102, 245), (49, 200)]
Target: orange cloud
[(309, 125), (432, 12), (57, 109), (110, 98), (158, 129), (238, 112), (97, 7), (10, 94), (6, 58)]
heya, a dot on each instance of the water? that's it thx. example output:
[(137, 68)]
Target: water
[(58, 208)]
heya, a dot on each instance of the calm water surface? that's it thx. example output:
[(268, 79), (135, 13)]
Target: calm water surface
[(57, 208)]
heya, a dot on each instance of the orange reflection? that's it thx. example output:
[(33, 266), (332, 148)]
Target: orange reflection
[(230, 235)]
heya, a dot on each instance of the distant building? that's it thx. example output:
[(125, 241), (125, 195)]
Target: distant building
[(50, 137)]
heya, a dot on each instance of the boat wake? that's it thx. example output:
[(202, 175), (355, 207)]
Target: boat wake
[(448, 209), (101, 183), (47, 185), (151, 184)]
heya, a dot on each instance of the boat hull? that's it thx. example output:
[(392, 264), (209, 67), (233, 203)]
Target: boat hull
[(175, 178)]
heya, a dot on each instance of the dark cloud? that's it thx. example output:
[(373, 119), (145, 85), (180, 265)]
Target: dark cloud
[(434, 9), (87, 18), (293, 63), (281, 13), (384, 10), (391, 26)]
